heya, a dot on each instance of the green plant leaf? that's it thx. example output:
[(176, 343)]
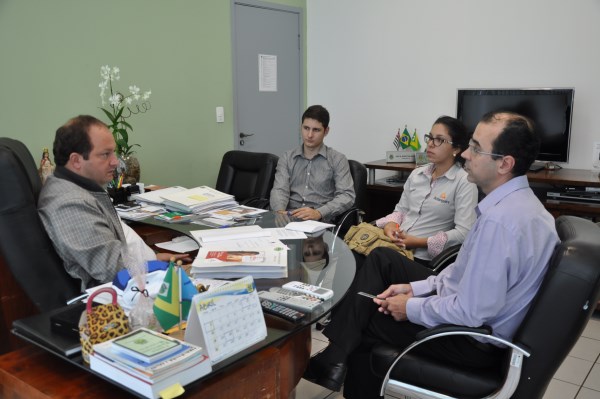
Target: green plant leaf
[(110, 116), (126, 124)]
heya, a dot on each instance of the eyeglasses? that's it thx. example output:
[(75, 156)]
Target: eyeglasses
[(437, 141), (475, 149)]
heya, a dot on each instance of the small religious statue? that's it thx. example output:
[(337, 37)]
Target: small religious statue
[(46, 166)]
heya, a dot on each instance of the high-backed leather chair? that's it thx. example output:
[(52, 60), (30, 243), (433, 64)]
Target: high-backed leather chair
[(353, 216), (559, 313), (24, 243), (248, 176)]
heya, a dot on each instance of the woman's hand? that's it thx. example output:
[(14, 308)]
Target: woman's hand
[(393, 231)]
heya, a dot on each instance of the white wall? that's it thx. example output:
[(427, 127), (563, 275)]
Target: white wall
[(381, 64)]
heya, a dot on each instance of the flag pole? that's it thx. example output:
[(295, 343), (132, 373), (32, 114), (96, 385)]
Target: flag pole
[(179, 267)]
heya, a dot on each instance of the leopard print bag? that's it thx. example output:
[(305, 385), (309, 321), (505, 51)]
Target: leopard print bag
[(101, 323)]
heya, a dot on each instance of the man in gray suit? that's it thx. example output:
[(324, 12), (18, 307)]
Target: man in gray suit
[(78, 213)]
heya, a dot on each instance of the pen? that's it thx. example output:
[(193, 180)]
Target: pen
[(77, 298), (367, 295)]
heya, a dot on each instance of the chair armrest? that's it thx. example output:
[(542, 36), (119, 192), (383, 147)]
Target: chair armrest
[(342, 218), (444, 258), (444, 328), (482, 332)]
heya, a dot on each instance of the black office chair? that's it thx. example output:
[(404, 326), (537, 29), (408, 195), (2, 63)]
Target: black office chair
[(561, 309), (24, 243), (353, 216), (248, 176)]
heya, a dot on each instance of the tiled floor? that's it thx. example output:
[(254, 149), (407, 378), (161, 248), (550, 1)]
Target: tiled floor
[(577, 378)]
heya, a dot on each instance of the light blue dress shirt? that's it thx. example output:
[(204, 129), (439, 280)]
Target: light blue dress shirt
[(498, 269)]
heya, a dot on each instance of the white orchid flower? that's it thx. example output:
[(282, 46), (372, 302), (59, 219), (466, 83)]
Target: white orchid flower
[(105, 72), (115, 100)]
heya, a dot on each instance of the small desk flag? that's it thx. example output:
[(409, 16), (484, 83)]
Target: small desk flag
[(397, 140), (405, 138), (171, 299), (414, 142)]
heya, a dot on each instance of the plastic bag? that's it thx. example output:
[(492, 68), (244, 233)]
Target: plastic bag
[(141, 313)]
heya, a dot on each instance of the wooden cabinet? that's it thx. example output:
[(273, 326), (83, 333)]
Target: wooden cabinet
[(382, 196)]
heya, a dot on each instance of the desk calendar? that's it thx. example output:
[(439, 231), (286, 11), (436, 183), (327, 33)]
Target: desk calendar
[(227, 319)]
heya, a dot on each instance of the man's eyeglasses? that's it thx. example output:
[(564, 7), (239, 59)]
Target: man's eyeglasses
[(437, 141), (475, 149)]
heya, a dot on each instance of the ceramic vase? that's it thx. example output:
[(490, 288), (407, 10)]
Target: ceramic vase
[(132, 170)]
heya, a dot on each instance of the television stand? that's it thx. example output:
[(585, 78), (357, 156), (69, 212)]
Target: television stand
[(382, 198)]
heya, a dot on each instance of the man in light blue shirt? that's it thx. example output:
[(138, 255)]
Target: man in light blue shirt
[(493, 281)]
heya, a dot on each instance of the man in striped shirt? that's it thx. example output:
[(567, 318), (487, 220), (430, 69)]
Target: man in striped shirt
[(313, 181)]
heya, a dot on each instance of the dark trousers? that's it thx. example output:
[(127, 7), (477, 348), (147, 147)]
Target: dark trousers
[(356, 324), (359, 259)]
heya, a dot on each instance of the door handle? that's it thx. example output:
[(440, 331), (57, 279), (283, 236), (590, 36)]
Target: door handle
[(243, 135)]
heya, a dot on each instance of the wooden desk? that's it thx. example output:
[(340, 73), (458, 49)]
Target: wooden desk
[(381, 199), (269, 369), (32, 373)]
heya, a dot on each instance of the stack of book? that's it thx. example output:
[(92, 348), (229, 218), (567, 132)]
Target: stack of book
[(198, 200), (150, 363)]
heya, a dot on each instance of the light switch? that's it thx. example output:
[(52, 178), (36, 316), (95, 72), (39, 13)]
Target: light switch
[(220, 115)]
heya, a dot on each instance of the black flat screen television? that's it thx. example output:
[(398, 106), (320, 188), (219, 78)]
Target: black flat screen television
[(549, 108)]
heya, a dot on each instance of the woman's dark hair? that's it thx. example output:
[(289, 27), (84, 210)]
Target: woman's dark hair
[(518, 139), (72, 137), (458, 134)]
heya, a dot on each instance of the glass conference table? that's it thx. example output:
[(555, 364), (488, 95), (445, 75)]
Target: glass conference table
[(323, 260)]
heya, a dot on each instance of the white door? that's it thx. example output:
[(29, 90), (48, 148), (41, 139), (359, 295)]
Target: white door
[(268, 71)]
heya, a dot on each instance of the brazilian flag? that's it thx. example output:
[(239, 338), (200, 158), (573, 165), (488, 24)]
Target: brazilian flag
[(405, 138), (166, 304), (414, 142)]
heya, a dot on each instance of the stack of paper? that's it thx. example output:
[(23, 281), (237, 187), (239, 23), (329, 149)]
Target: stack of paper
[(237, 252), (156, 196), (148, 362), (230, 233), (140, 213), (198, 200), (241, 212), (309, 226)]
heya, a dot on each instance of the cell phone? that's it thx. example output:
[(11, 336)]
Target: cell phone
[(367, 295)]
